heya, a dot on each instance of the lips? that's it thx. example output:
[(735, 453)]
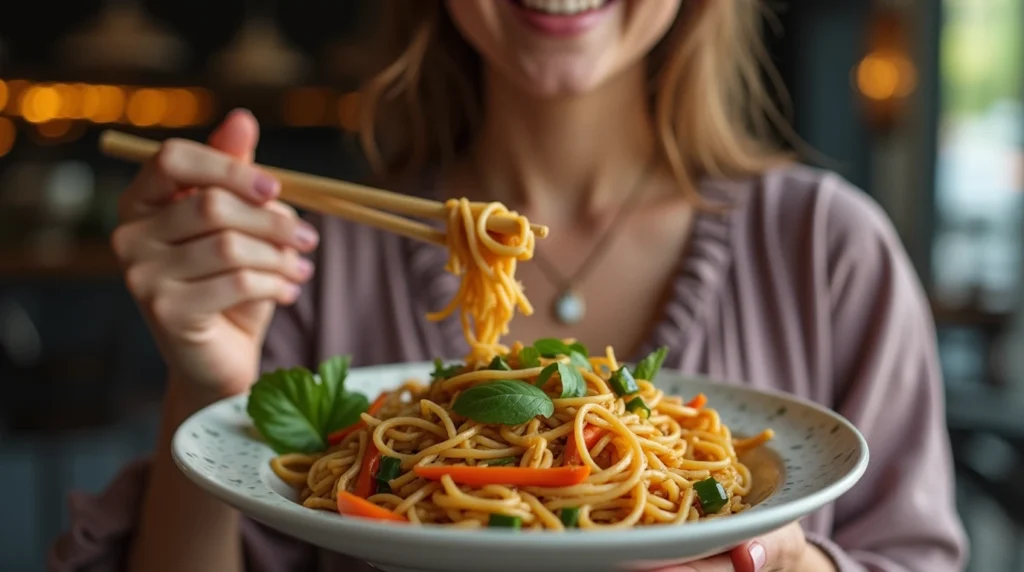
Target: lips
[(562, 18), (561, 7)]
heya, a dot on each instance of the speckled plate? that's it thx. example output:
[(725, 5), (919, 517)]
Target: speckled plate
[(815, 457)]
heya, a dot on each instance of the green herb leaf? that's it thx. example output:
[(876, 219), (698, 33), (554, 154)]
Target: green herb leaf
[(573, 384), (579, 348), (294, 411), (649, 367), (551, 347), (340, 408), (529, 357), (499, 364), (502, 462), (442, 371), (506, 402), (580, 360), (286, 407)]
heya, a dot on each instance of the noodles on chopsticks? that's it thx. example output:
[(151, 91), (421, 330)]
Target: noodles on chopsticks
[(544, 436)]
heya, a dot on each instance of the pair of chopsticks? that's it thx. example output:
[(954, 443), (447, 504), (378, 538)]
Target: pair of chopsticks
[(358, 203)]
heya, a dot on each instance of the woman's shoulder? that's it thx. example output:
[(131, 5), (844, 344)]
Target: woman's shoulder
[(798, 204)]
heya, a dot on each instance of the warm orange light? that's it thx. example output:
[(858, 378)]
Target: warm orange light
[(881, 76), (204, 105), (182, 108), (7, 136), (348, 111), (4, 93), (305, 106), (91, 101), (70, 102), (54, 129), (146, 107), (109, 104), (40, 103)]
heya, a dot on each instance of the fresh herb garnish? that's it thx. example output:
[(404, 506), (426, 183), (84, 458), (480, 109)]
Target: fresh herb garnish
[(649, 367), (573, 384), (639, 406), (442, 371), (390, 468), (504, 521), (499, 364), (505, 402), (580, 360), (529, 357), (579, 348), (551, 347), (711, 495), (569, 516), (501, 462), (294, 411)]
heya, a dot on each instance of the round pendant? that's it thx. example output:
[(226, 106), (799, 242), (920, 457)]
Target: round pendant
[(569, 307)]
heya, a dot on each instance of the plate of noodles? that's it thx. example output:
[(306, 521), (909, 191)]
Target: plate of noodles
[(543, 456)]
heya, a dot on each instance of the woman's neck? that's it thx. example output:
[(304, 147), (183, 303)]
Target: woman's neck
[(565, 156)]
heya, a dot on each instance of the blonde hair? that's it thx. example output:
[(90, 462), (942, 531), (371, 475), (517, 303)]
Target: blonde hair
[(712, 111)]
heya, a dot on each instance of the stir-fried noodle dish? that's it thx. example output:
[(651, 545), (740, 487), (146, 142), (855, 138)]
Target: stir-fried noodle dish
[(540, 436)]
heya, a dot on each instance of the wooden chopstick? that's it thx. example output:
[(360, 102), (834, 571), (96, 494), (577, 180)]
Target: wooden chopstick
[(341, 198)]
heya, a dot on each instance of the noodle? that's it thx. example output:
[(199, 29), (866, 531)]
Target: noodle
[(646, 465)]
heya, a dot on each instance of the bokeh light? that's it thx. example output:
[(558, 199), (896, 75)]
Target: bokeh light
[(182, 108), (881, 76), (305, 106), (4, 95), (40, 103), (348, 111), (146, 107), (7, 136)]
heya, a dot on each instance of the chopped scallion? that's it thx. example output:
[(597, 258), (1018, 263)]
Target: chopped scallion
[(711, 495), (569, 516), (503, 461), (505, 521), (622, 382), (390, 468), (638, 406)]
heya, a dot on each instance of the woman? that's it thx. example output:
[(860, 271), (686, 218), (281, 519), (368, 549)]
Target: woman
[(616, 123)]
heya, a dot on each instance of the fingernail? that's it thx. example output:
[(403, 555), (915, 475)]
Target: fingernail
[(266, 187), (291, 292), (757, 555), (306, 235), (304, 267)]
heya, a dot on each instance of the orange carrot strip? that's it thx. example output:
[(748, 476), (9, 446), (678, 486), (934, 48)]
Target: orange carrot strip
[(351, 505), (591, 435), (366, 482), (339, 435), (699, 401), (509, 476)]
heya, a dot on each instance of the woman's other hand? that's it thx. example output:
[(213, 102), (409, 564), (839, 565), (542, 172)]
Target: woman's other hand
[(207, 251), (785, 550)]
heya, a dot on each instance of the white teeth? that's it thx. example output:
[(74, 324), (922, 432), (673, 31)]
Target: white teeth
[(563, 7)]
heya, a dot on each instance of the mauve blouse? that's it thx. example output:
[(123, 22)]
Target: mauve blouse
[(803, 286)]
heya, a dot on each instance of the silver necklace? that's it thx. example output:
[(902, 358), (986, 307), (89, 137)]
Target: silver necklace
[(569, 306)]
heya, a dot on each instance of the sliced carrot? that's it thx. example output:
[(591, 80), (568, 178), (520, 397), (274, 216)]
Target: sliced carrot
[(366, 482), (591, 435), (339, 435), (697, 402), (351, 505), (509, 476)]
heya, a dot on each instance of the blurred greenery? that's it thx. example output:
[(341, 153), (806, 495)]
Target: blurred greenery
[(982, 50)]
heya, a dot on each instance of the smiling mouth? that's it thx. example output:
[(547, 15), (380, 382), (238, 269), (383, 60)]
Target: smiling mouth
[(562, 7)]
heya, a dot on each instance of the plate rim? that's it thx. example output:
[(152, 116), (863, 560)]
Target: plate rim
[(614, 539)]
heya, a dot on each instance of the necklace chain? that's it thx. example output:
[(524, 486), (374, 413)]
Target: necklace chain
[(569, 306)]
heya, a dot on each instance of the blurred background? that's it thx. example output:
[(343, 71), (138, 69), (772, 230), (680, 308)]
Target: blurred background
[(919, 102)]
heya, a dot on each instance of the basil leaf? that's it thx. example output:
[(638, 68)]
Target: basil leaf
[(579, 348), (442, 371), (573, 384), (505, 402), (529, 357), (499, 364), (286, 407), (551, 347), (580, 360), (649, 367), (338, 407)]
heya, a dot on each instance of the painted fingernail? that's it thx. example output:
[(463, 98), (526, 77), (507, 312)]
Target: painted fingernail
[(304, 267), (266, 187), (306, 235), (291, 292), (757, 555)]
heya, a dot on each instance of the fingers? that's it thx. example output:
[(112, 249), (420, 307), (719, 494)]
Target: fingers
[(721, 563), (176, 305), (237, 135), (181, 164), (209, 212)]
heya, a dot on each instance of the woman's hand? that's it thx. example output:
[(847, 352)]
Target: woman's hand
[(785, 550), (207, 252)]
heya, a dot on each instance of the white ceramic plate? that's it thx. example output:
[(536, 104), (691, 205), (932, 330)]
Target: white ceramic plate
[(815, 457)]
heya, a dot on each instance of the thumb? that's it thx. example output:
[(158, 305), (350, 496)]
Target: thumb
[(237, 135)]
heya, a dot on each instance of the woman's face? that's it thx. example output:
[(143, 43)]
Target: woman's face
[(562, 47)]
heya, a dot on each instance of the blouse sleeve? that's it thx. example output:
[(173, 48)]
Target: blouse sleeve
[(901, 516)]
